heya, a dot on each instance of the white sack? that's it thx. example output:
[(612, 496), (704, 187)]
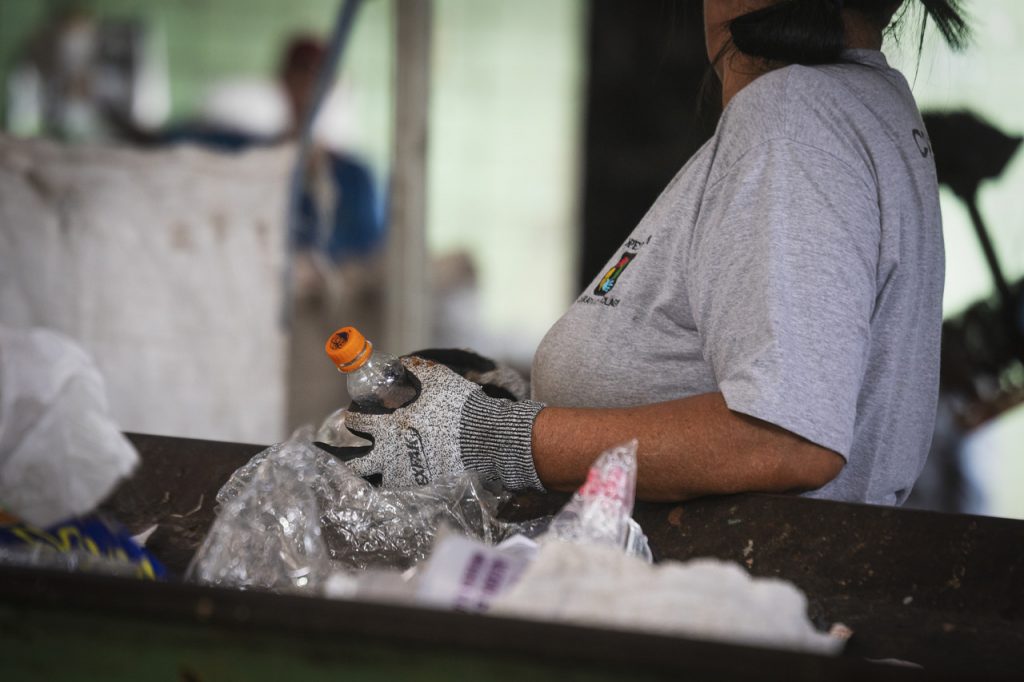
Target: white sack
[(166, 266)]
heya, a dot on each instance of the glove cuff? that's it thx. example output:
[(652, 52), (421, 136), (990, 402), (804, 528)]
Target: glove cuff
[(495, 439)]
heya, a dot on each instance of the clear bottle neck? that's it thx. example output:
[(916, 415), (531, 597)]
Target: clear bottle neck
[(380, 383)]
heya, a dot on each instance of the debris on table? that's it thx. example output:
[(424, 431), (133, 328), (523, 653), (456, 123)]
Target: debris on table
[(298, 519), (294, 515), (703, 598)]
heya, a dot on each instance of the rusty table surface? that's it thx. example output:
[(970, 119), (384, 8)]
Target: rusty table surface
[(940, 590)]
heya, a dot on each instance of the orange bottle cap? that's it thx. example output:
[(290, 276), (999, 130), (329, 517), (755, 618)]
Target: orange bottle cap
[(348, 349)]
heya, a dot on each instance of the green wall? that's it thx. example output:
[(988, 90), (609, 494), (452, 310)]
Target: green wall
[(506, 120)]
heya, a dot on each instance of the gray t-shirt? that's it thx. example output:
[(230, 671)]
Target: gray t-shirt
[(795, 265)]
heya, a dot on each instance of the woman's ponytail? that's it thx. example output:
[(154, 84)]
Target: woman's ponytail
[(791, 32), (812, 31)]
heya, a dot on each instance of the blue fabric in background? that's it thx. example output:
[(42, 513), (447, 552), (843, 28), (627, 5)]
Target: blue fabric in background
[(358, 222), (359, 225)]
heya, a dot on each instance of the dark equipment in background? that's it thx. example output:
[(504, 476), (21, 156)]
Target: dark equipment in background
[(967, 152), (983, 348), (982, 376), (648, 111)]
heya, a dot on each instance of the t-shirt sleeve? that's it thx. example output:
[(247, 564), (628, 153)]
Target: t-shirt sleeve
[(782, 271)]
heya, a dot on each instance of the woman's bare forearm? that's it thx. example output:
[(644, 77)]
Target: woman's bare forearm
[(688, 448)]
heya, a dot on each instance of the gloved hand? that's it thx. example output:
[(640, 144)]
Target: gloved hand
[(497, 380), (450, 427)]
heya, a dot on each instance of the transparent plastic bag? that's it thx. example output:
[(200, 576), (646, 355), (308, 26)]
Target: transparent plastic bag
[(334, 432), (600, 512), (294, 513), (268, 534)]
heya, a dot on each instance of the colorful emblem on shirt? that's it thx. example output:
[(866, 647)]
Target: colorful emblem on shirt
[(607, 282)]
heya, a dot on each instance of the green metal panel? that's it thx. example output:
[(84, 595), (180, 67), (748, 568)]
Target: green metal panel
[(64, 645)]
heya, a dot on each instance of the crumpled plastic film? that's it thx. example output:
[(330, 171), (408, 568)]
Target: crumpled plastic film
[(600, 512), (294, 513), (334, 432), (268, 534), (377, 528)]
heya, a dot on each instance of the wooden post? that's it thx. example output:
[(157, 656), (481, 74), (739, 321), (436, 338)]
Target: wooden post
[(408, 314)]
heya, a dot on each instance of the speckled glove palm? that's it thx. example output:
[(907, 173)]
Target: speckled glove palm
[(497, 380), (450, 427)]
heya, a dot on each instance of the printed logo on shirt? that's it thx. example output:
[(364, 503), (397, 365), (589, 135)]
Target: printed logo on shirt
[(607, 282), (611, 278)]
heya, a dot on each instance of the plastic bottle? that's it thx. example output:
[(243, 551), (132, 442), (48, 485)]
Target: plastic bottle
[(376, 381)]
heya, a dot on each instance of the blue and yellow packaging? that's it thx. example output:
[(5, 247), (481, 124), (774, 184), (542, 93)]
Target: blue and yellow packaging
[(91, 534)]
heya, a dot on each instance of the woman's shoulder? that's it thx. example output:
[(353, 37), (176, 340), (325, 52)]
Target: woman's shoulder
[(821, 107), (786, 101)]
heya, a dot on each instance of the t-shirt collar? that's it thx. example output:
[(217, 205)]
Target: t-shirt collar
[(864, 56)]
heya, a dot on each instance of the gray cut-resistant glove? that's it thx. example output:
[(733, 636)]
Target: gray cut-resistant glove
[(497, 380), (450, 427)]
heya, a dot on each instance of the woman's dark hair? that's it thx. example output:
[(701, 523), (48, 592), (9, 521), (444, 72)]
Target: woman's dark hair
[(811, 31)]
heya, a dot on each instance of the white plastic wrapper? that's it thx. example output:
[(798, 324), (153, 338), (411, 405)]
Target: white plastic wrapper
[(60, 451), (600, 512), (466, 575)]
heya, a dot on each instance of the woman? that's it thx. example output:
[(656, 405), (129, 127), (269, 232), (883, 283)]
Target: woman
[(772, 324)]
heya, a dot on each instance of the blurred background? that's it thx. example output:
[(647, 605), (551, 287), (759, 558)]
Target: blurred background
[(148, 147)]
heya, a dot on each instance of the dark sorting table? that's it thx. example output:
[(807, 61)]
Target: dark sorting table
[(943, 591)]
